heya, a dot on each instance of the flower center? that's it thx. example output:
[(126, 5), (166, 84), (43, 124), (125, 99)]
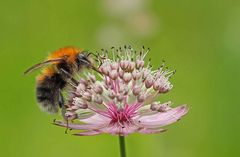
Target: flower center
[(122, 116)]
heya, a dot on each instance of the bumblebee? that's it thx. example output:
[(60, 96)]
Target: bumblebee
[(59, 68)]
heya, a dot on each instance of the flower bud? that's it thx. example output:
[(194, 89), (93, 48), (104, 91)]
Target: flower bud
[(123, 90), (120, 97), (79, 103), (127, 77), (137, 90), (84, 106), (114, 66), (105, 69), (164, 107), (121, 73), (156, 85), (70, 115), (130, 67), (139, 64), (81, 87), (83, 81), (87, 96), (154, 106), (146, 72), (124, 65), (97, 99), (149, 81), (98, 89), (165, 88), (111, 95), (113, 74), (73, 108), (162, 85), (136, 74), (92, 78), (141, 97)]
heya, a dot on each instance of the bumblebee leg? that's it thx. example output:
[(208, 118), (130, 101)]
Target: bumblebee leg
[(60, 100), (69, 75), (61, 104)]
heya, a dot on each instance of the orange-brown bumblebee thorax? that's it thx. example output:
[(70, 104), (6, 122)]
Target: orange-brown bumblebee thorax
[(70, 53), (46, 72)]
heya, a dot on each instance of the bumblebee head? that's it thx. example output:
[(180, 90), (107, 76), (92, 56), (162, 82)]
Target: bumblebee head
[(84, 59)]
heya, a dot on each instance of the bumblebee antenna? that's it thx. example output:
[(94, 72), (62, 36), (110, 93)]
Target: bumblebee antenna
[(91, 66), (90, 53), (39, 65), (95, 69)]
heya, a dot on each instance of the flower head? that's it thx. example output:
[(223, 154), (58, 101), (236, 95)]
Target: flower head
[(123, 100)]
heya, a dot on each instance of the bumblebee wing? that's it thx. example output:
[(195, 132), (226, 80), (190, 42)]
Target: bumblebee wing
[(39, 65)]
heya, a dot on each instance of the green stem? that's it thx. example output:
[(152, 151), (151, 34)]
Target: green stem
[(122, 146)]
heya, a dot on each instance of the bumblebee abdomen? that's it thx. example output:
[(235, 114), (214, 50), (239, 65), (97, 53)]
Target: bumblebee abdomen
[(48, 92)]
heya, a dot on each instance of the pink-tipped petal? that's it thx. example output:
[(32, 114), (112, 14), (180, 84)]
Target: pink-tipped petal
[(163, 118)]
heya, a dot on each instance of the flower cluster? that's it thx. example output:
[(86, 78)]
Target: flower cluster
[(122, 100)]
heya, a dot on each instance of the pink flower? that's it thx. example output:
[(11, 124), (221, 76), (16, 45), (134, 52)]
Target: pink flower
[(123, 100)]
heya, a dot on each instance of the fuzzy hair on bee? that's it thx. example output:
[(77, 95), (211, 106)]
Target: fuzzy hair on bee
[(57, 70)]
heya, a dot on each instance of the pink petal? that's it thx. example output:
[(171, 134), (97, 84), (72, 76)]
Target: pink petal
[(88, 133), (96, 119), (151, 131), (129, 130), (162, 118), (76, 126), (119, 130), (114, 130)]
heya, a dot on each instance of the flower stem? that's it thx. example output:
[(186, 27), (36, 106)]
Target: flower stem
[(122, 146)]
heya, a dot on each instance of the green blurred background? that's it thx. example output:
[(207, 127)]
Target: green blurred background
[(200, 38)]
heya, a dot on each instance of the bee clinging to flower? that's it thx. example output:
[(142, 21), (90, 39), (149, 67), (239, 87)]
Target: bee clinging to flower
[(59, 68)]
